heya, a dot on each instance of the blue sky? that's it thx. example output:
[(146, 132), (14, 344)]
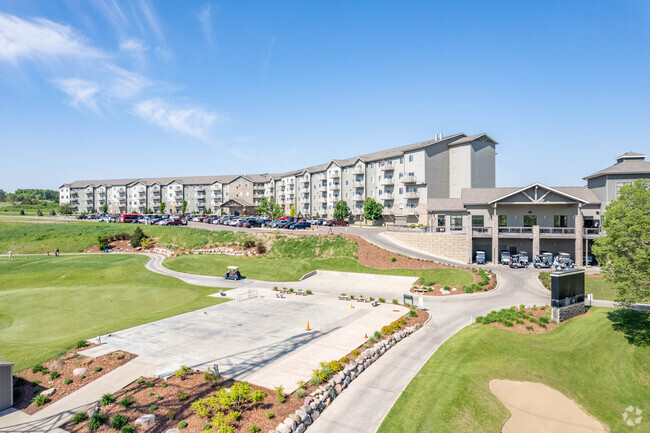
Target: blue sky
[(109, 89)]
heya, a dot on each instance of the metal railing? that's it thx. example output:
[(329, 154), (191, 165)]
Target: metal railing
[(482, 231), (387, 181), (556, 231), (515, 230), (593, 231), (387, 166)]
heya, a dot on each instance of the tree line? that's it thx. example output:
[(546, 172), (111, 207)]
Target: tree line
[(29, 196)]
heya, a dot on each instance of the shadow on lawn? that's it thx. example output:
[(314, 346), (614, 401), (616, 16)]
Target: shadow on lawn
[(634, 324)]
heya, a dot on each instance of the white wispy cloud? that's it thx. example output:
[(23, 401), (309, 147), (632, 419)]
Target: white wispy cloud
[(151, 18), (206, 22), (39, 39), (191, 121), (125, 84), (133, 46), (81, 92)]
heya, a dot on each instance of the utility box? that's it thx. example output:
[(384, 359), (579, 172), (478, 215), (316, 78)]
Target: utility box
[(6, 385)]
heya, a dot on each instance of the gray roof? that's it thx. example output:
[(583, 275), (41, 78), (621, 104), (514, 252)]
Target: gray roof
[(369, 157), (632, 155), (483, 196), (240, 200), (626, 166)]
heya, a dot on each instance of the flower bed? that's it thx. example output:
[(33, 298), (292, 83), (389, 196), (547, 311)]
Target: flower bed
[(531, 320), (483, 281), (56, 379)]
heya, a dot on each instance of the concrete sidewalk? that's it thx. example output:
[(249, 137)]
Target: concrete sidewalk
[(58, 413)]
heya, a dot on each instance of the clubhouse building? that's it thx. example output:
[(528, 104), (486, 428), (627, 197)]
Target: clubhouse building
[(446, 184)]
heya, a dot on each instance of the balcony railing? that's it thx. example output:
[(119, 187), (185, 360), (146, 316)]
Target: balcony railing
[(359, 197), (358, 170), (411, 211), (412, 194), (359, 184), (410, 179), (357, 211), (387, 181), (481, 232), (335, 174), (387, 211), (515, 231), (322, 199), (545, 232), (387, 196), (322, 187), (335, 186), (387, 166)]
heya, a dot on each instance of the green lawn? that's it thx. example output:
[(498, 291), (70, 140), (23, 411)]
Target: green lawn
[(281, 269), (602, 289), (602, 361), (47, 304)]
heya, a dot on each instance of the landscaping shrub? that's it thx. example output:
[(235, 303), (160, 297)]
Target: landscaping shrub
[(118, 421), (136, 237), (413, 313), (139, 380), (128, 429), (54, 375), (206, 427), (163, 385), (81, 343), (355, 352), (160, 397), (182, 396), (468, 289), (269, 414), (261, 249), (96, 421), (309, 292), (98, 368), (171, 414), (126, 402), (395, 326), (393, 259), (153, 408), (107, 399), (429, 289), (210, 377), (300, 393), (279, 392), (40, 400), (520, 322), (150, 393), (102, 241), (377, 335), (401, 321), (529, 328), (344, 360), (259, 396), (79, 417), (67, 381), (395, 301), (386, 330), (146, 243), (544, 319), (37, 368), (382, 300), (372, 340), (249, 244), (253, 428), (182, 424)]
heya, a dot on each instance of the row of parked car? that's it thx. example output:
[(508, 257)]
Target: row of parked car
[(291, 223), (545, 259)]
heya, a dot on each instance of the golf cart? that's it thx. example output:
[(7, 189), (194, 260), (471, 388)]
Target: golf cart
[(523, 257), (480, 257), (563, 261), (517, 262), (505, 257), (232, 273), (543, 260)]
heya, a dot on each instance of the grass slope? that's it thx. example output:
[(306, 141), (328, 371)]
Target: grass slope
[(602, 361), (292, 268), (601, 288), (47, 304)]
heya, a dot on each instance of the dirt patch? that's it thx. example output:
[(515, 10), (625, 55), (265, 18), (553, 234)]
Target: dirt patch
[(535, 407), (121, 246), (28, 384), (374, 257)]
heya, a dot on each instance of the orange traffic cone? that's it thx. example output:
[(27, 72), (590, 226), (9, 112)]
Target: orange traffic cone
[(308, 328), (366, 336), (351, 306)]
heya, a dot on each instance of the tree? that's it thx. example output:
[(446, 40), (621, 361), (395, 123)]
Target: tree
[(292, 211), (3, 195), (341, 210), (104, 208), (270, 208), (67, 209), (162, 207), (52, 213), (624, 251), (183, 207), (39, 213), (136, 237), (372, 209)]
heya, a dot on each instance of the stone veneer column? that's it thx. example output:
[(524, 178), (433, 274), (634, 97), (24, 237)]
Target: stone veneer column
[(496, 256), (579, 239), (535, 251), (470, 245)]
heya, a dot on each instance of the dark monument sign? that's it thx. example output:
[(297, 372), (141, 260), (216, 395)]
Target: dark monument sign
[(567, 294)]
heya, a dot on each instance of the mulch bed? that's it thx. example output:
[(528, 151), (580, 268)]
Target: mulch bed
[(436, 288), (122, 246), (151, 391), (531, 327), (27, 389), (374, 257)]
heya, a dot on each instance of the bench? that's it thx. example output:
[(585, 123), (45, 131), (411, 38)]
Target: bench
[(285, 291), (374, 303), (360, 299), (344, 298), (279, 295), (301, 293), (420, 290)]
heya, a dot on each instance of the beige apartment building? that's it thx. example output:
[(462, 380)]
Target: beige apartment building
[(402, 179)]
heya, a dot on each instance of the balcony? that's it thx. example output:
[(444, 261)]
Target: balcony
[(359, 184), (557, 232), (357, 211), (482, 232), (75, 195), (179, 193), (359, 197), (322, 187), (359, 170), (387, 196), (387, 181), (411, 211), (322, 199), (156, 193), (387, 166), (335, 186), (410, 179), (216, 193), (335, 174), (387, 211), (305, 180), (89, 201), (516, 232), (412, 194), (593, 232)]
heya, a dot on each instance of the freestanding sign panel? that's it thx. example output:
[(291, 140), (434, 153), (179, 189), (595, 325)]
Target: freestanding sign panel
[(6, 385), (567, 294)]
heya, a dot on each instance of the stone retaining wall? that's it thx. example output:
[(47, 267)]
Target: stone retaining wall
[(451, 246), (163, 251), (319, 400), (562, 314), (223, 250)]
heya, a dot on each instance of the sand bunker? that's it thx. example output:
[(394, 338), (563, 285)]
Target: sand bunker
[(535, 407)]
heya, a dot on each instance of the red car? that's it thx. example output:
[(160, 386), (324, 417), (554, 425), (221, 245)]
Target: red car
[(335, 222)]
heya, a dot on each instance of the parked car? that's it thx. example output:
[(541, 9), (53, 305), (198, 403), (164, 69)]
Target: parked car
[(284, 224), (480, 257), (300, 225), (591, 260), (505, 257), (105, 219), (82, 217)]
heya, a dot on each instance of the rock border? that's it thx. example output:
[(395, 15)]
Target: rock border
[(324, 395)]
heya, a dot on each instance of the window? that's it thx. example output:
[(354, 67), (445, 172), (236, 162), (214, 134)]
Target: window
[(346, 182), (401, 175), (401, 160), (530, 220), (441, 220), (560, 221), (401, 190), (477, 220), (410, 158), (456, 222), (503, 221)]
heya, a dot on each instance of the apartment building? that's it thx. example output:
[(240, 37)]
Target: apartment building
[(534, 218), (402, 179)]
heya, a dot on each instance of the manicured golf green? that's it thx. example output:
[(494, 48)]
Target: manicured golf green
[(601, 288), (602, 361), (291, 269), (48, 303)]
